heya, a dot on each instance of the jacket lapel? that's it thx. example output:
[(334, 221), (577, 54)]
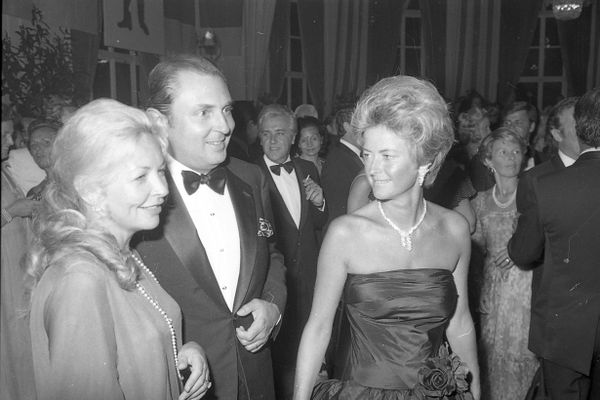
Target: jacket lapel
[(245, 212), (180, 232)]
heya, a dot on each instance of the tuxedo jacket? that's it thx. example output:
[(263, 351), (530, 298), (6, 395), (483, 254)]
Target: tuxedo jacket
[(175, 254), (565, 225), (526, 199), (300, 248), (341, 167)]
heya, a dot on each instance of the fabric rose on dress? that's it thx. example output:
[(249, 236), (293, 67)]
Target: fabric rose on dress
[(444, 376)]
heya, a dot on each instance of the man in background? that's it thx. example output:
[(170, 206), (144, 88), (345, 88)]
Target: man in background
[(560, 221)]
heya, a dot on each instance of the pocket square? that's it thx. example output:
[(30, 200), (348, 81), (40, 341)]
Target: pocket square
[(264, 228)]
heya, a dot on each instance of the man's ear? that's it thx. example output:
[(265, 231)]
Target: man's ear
[(158, 119), (532, 127), (347, 127), (556, 135)]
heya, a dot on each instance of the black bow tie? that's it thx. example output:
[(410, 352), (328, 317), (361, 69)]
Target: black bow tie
[(288, 166), (215, 180)]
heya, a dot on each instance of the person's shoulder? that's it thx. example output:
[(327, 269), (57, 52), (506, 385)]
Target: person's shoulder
[(350, 224), (248, 172), (78, 263), (448, 221)]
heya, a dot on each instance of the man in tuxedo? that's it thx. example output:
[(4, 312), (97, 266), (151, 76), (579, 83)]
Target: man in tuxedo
[(298, 210), (561, 218), (213, 250), (561, 126), (342, 164)]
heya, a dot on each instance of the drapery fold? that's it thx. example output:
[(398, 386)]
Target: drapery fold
[(257, 20), (574, 37), (433, 14), (345, 50), (312, 26), (472, 34), (384, 36), (517, 25), (278, 47)]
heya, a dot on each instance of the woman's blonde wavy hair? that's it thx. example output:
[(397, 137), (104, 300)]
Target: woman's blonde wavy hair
[(86, 155)]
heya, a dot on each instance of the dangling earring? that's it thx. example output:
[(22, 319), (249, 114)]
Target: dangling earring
[(423, 170)]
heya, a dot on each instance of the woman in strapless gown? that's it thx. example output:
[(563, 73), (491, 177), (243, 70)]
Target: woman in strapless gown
[(400, 263)]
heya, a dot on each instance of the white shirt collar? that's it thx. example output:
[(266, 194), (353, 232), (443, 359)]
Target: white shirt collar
[(589, 150), (351, 146), (567, 161)]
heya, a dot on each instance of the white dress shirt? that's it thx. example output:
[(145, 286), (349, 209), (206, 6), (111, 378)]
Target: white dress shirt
[(214, 218), (287, 184)]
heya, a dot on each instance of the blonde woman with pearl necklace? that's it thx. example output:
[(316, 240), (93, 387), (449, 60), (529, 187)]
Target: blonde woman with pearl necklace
[(507, 366)]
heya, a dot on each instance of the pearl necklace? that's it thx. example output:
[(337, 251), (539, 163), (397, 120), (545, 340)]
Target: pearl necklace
[(405, 237), (158, 308), (505, 204)]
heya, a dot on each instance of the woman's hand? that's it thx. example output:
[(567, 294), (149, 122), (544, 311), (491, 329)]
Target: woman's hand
[(192, 356), (503, 261)]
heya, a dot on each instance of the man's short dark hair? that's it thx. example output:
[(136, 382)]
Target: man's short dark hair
[(587, 118), (162, 80), (554, 115)]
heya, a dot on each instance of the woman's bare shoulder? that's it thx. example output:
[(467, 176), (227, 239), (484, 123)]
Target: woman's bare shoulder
[(448, 221)]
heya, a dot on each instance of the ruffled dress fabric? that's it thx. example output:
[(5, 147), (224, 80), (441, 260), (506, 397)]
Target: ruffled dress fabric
[(397, 322)]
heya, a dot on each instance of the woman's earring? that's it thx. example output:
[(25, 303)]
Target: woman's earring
[(422, 173)]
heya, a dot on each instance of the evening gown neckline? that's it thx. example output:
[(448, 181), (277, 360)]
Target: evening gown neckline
[(397, 322)]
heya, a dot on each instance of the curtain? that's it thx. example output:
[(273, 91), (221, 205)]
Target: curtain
[(576, 49), (312, 23), (345, 40), (256, 27), (384, 36), (278, 46), (472, 34), (517, 25), (593, 72), (433, 17)]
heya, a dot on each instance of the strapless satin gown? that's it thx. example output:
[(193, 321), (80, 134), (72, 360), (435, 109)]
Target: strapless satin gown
[(397, 322)]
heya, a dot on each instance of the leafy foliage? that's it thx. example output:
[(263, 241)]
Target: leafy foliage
[(37, 67)]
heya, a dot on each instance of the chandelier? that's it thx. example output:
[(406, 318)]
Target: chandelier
[(567, 9)]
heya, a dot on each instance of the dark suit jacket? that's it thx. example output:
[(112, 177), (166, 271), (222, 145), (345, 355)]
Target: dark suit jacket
[(300, 249), (565, 223), (341, 167), (177, 257), (526, 199)]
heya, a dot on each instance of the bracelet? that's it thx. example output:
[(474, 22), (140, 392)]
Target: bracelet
[(6, 216)]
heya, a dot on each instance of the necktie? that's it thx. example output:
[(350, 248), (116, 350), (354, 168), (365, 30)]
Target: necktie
[(215, 180), (288, 166)]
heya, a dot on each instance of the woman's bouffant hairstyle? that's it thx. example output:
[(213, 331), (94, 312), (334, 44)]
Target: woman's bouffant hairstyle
[(163, 79), (414, 110), (86, 156), (487, 144)]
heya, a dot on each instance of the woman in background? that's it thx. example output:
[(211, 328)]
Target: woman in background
[(310, 144), (400, 263), (507, 366), (16, 381), (101, 325)]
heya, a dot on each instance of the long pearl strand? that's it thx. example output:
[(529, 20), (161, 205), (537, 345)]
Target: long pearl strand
[(158, 308), (405, 237)]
